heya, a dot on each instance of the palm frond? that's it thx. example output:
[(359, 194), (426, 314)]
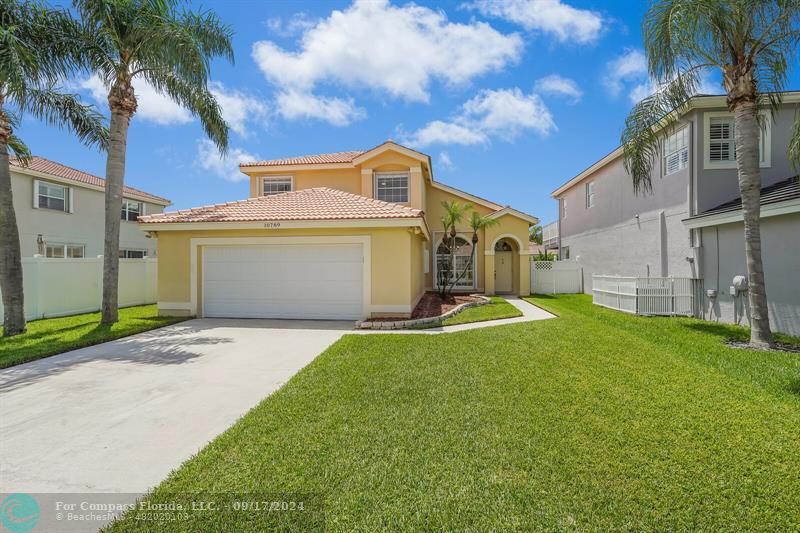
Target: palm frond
[(197, 99), (20, 150), (649, 119), (66, 110), (793, 150)]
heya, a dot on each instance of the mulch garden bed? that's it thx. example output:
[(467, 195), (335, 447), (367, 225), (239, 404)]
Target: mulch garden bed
[(432, 305)]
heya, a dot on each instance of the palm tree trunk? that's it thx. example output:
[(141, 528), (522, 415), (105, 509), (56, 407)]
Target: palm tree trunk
[(10, 254), (747, 131), (115, 179)]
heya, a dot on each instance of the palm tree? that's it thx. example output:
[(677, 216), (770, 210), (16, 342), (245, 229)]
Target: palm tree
[(535, 234), (454, 213), (752, 43), (39, 47), (167, 47)]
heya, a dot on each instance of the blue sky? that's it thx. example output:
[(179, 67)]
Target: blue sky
[(509, 97)]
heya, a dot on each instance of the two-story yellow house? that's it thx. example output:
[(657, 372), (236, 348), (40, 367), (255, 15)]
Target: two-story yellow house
[(348, 235)]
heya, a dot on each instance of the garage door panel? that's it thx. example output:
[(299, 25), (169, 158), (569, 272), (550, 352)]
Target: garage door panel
[(283, 281)]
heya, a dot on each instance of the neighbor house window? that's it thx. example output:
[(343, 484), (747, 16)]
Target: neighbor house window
[(720, 139), (132, 254), (61, 251), (563, 208), (464, 264), (676, 151), (391, 188), (131, 210), (53, 196), (590, 194), (277, 185)]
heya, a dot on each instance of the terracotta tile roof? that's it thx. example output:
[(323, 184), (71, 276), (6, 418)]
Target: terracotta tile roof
[(45, 166), (318, 159), (320, 203)]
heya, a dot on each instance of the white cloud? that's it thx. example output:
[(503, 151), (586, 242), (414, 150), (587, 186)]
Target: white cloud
[(291, 26), (629, 72), (152, 106), (631, 66), (559, 85), (554, 17), (395, 50), (299, 104), (445, 162), (238, 108), (502, 113), (209, 159)]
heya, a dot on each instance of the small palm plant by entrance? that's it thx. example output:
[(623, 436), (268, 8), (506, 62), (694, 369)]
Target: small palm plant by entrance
[(455, 254)]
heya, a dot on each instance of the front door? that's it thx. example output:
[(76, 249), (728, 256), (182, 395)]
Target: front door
[(503, 269)]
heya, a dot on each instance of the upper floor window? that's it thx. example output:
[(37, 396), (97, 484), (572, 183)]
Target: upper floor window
[(391, 187), (676, 151), (563, 208), (277, 185), (52, 196), (131, 210), (62, 251), (590, 195), (720, 140)]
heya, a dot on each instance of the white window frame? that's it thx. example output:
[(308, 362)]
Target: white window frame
[(37, 184), (438, 238), (377, 175), (590, 195), (765, 148), (125, 203), (64, 249), (276, 179), (563, 208), (126, 250), (681, 151)]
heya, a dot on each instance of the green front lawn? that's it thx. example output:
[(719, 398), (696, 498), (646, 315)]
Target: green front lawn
[(51, 336), (497, 309), (595, 420)]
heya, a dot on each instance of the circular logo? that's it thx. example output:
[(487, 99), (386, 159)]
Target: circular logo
[(19, 513)]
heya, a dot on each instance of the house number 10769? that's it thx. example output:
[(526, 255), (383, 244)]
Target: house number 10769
[(272, 224)]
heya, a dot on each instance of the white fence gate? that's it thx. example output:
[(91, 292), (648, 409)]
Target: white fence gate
[(556, 277), (646, 296), (60, 287)]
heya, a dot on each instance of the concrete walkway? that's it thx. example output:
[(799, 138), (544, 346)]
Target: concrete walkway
[(530, 313)]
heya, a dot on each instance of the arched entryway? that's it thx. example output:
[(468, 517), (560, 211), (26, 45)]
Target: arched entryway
[(506, 266)]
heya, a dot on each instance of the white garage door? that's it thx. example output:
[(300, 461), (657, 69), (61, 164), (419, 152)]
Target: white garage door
[(317, 281)]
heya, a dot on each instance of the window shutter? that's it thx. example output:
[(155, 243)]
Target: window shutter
[(71, 199), (142, 210), (36, 194)]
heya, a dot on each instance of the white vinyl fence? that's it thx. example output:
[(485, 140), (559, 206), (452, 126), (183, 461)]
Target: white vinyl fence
[(556, 277), (60, 287), (646, 296)]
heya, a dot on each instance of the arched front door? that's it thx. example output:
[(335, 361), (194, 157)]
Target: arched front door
[(503, 267)]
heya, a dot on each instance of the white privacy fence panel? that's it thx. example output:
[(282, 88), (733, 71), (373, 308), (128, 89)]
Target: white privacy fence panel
[(646, 296), (556, 277), (60, 287)]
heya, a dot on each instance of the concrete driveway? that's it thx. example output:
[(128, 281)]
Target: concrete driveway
[(118, 417)]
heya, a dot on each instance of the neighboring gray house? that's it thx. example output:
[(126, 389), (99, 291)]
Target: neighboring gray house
[(60, 212), (691, 224)]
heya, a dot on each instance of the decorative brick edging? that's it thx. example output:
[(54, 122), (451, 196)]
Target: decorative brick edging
[(410, 323)]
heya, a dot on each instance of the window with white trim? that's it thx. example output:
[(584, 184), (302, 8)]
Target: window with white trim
[(676, 151), (464, 264), (563, 208), (391, 187), (131, 210), (720, 140), (276, 185), (53, 196), (62, 250), (127, 253), (590, 199)]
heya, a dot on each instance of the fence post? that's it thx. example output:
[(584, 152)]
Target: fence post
[(38, 279)]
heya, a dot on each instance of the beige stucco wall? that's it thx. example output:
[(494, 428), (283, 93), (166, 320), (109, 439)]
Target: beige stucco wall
[(394, 282), (83, 226)]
